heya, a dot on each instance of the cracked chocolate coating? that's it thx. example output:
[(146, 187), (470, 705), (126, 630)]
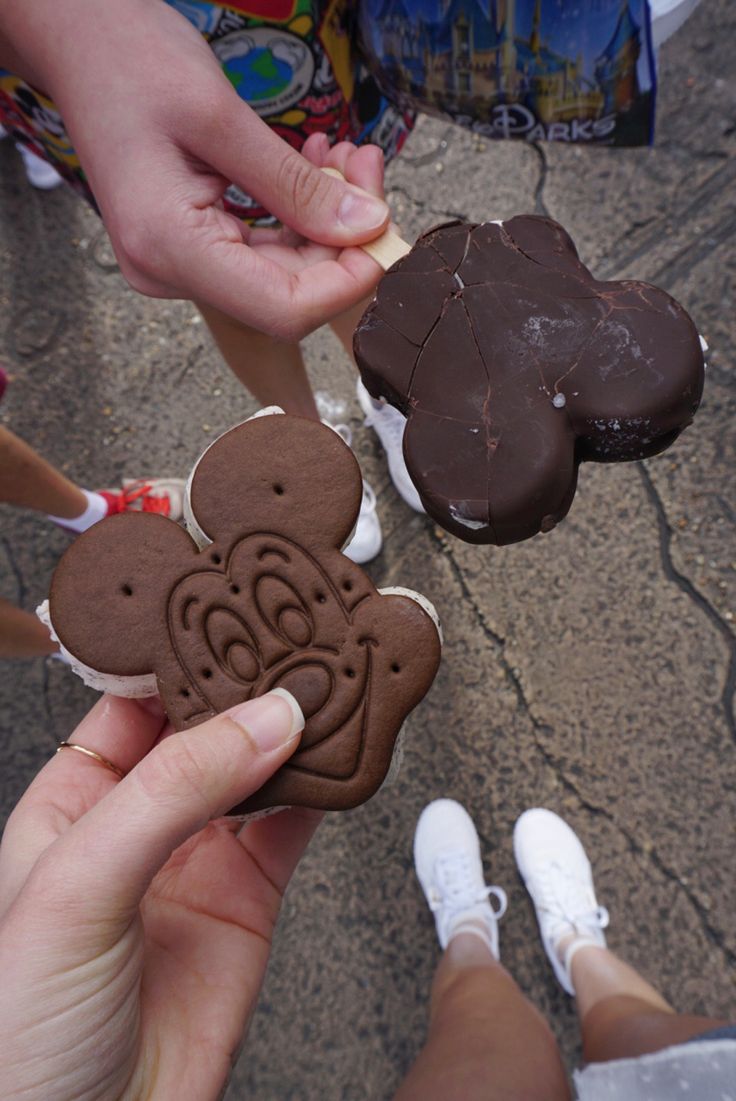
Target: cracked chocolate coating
[(271, 602), (513, 364)]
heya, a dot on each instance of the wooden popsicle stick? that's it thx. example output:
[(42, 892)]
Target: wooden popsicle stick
[(386, 249)]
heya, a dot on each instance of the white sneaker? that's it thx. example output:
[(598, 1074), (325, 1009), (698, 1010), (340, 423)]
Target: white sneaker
[(449, 868), (557, 873), (367, 539), (162, 495), (389, 426), (39, 172)]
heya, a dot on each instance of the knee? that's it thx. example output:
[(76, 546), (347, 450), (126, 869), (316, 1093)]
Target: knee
[(486, 1001), (621, 1026)]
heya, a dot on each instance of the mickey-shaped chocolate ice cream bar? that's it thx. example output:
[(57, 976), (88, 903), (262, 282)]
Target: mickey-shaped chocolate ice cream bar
[(262, 599), (513, 364)]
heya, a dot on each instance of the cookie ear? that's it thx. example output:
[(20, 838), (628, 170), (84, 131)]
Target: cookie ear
[(109, 593), (281, 474)]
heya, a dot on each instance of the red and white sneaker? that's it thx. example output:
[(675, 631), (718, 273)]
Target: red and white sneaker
[(162, 495)]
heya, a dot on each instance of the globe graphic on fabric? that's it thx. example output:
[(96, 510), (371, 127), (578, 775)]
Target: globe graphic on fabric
[(258, 74)]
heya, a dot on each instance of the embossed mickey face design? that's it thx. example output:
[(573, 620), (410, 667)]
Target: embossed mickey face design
[(512, 364), (299, 629), (270, 602)]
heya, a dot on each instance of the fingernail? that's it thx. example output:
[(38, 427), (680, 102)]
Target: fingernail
[(359, 210), (272, 720)]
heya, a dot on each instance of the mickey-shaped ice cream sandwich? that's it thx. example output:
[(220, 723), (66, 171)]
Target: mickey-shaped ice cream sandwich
[(512, 364), (258, 596)]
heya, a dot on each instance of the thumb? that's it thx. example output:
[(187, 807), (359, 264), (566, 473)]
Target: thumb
[(319, 207), (99, 870)]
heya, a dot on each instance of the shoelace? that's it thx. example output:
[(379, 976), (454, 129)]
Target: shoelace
[(126, 498), (457, 885), (393, 424), (368, 503), (342, 430), (565, 898)]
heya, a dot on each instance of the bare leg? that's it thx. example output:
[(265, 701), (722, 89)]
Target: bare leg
[(29, 481), (272, 370), (486, 1042), (344, 326), (621, 1015), (22, 635)]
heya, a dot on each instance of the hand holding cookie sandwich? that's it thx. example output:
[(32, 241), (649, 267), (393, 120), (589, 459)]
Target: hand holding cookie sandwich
[(135, 928), (129, 908)]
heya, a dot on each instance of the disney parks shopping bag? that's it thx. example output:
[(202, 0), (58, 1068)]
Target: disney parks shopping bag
[(556, 70)]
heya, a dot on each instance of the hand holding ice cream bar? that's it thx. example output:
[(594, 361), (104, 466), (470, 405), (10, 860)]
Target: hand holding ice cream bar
[(387, 249)]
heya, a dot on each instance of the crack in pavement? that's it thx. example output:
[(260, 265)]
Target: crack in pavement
[(688, 588), (192, 359), (690, 255), (22, 592), (420, 204), (540, 206), (714, 935), (46, 694), (720, 181), (428, 158), (438, 538)]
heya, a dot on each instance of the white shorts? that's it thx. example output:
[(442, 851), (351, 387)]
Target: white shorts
[(702, 1070)]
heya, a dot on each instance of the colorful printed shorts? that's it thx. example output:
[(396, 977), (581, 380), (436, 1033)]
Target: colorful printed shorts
[(293, 61)]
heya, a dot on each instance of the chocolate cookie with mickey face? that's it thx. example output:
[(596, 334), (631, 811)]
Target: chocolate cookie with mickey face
[(512, 364), (259, 596)]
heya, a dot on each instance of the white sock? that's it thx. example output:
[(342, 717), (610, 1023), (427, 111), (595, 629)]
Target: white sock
[(566, 957), (475, 927), (96, 510)]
